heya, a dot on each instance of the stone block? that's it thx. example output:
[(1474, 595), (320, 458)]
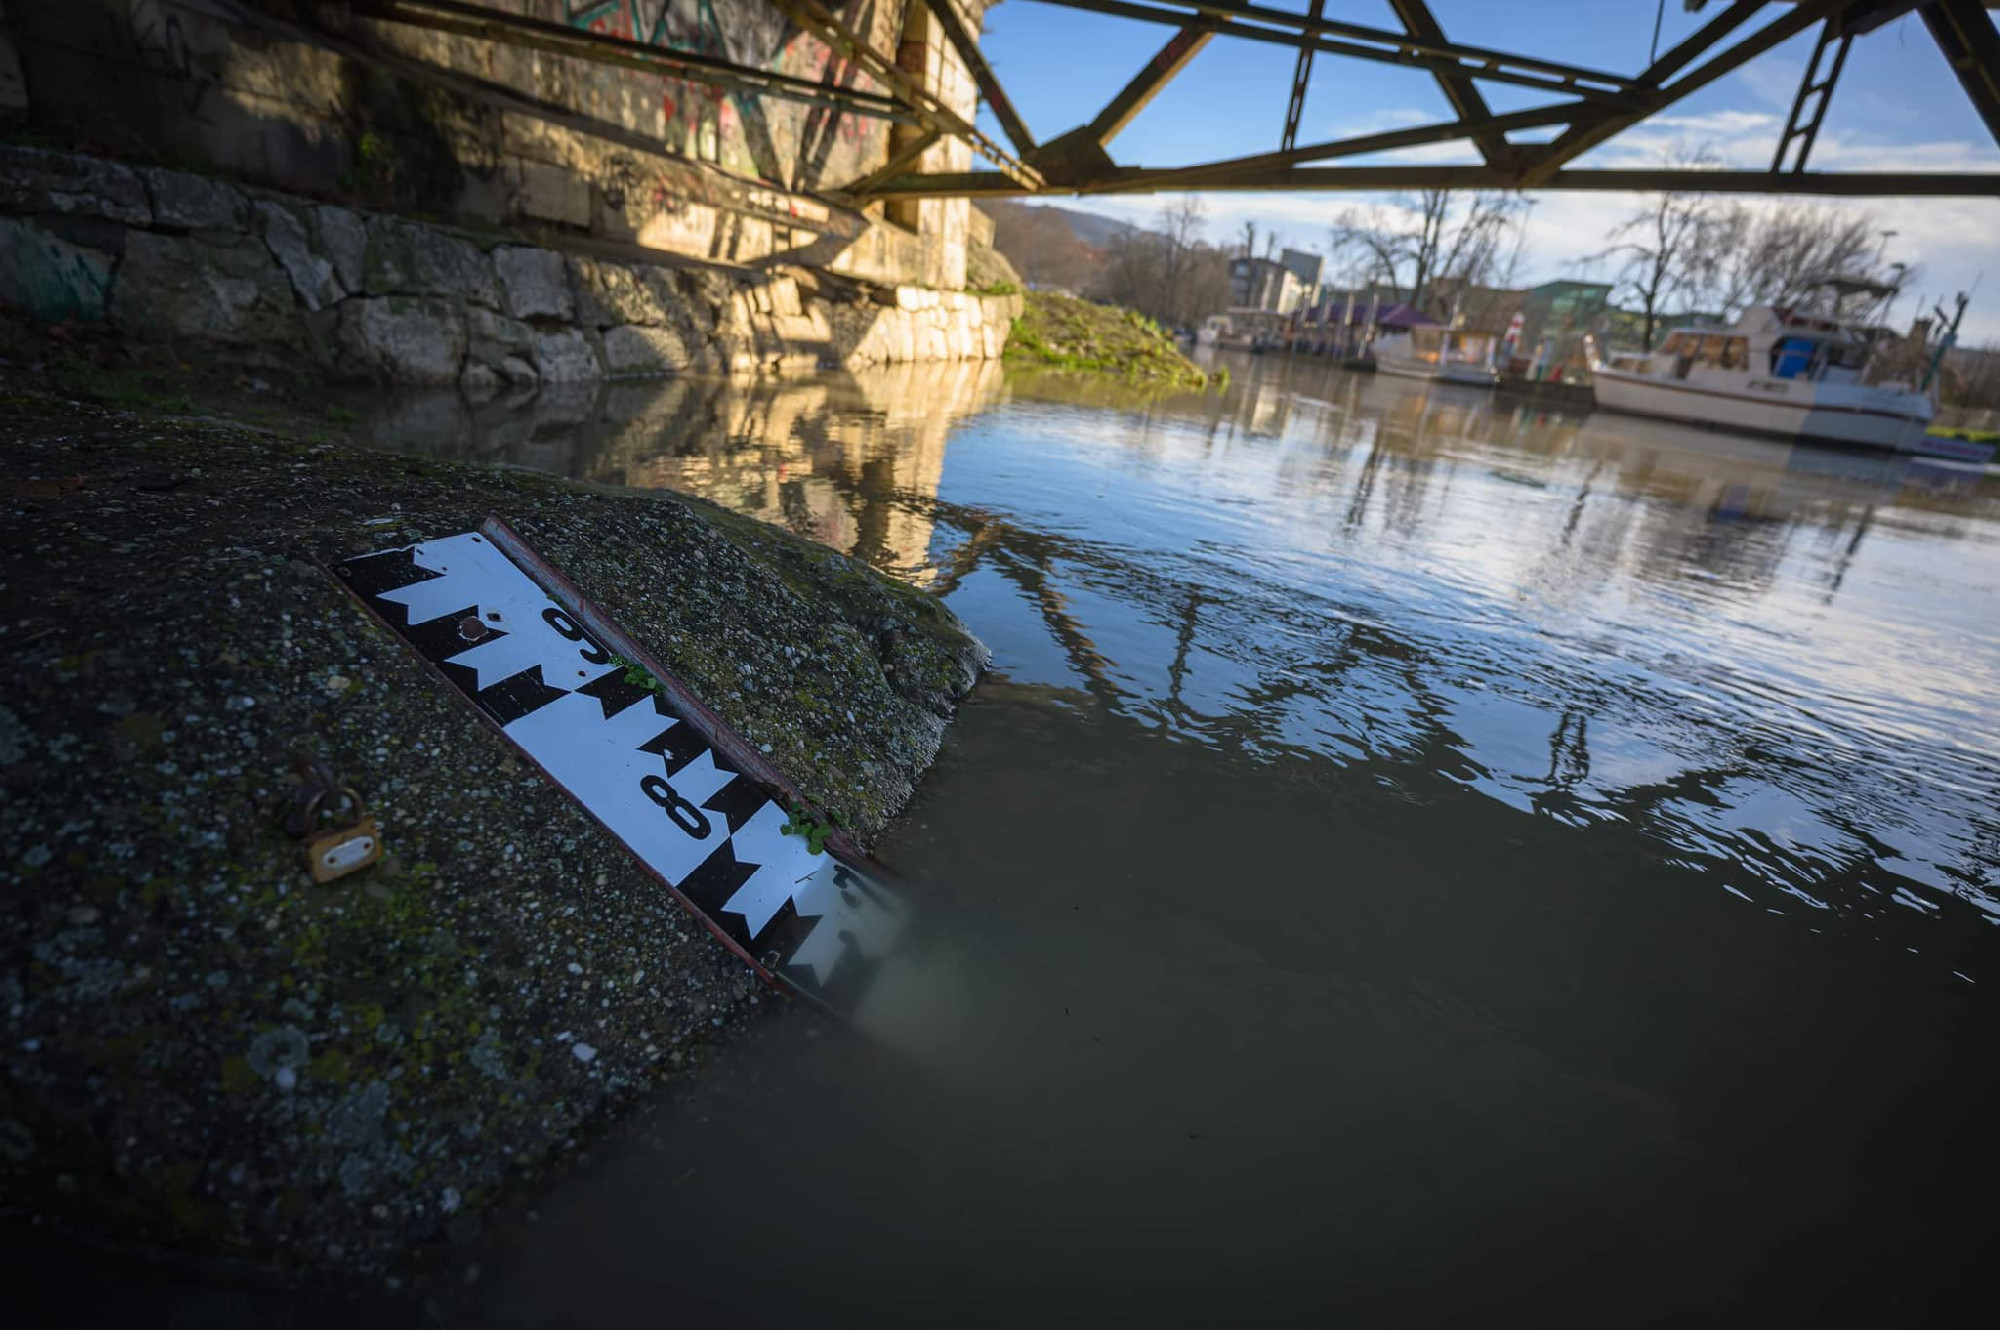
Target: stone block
[(553, 194), (49, 277), (402, 338), (610, 294), (342, 236), (534, 283), (706, 289), (477, 381), (38, 180), (785, 298), (195, 203), (404, 258), (565, 356), (634, 351), (13, 88), (502, 345), (311, 274), (679, 298), (226, 291)]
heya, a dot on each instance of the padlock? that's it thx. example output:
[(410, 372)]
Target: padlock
[(347, 849)]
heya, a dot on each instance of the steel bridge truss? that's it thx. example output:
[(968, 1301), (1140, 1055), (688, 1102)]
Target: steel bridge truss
[(1588, 107)]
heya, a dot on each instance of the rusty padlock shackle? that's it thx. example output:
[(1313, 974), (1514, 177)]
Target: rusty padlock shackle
[(348, 847), (316, 781), (308, 813)]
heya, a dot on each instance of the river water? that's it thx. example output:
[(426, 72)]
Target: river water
[(1418, 859), (1415, 859)]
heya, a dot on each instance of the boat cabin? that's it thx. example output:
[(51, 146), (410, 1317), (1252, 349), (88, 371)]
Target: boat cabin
[(1772, 342), (1452, 346)]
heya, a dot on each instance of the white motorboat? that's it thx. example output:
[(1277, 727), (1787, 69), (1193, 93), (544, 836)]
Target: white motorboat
[(1443, 355), (1775, 372)]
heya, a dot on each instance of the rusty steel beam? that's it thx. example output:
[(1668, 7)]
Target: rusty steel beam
[(1077, 159), (1133, 98), (1301, 75), (1966, 35), (1701, 39), (1884, 184), (1466, 101), (1431, 44), (1257, 24), (690, 66), (899, 162), (960, 36), (1199, 177), (931, 112), (1580, 139), (1814, 100)]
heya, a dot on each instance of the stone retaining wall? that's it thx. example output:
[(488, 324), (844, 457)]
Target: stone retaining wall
[(258, 276)]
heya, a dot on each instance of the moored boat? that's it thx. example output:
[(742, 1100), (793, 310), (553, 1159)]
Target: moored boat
[(1774, 372), (1442, 355)]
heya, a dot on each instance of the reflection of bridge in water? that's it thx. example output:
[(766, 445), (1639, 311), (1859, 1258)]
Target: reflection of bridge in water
[(1319, 562), (845, 459)]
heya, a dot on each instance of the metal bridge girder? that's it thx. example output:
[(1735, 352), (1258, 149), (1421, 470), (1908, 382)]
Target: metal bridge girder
[(1593, 106)]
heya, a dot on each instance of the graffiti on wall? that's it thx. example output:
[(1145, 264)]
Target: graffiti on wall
[(166, 50), (785, 143)]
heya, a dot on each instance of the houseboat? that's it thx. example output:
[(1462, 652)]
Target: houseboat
[(1775, 372), (1445, 355)]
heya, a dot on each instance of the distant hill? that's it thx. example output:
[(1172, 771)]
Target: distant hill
[(1092, 230), (1057, 248)]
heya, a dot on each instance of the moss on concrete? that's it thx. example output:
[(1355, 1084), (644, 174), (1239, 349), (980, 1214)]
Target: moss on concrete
[(1063, 332), (203, 1050)]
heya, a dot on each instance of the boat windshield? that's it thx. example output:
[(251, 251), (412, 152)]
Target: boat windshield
[(1717, 350)]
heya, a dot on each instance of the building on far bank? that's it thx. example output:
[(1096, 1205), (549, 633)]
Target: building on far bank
[(1308, 267), (1264, 286)]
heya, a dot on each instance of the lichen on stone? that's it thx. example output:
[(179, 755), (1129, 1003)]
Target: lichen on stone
[(216, 1054)]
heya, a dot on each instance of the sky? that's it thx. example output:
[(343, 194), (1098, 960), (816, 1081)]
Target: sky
[(1897, 107)]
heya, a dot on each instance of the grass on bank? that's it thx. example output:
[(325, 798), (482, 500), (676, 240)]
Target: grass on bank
[(1064, 332)]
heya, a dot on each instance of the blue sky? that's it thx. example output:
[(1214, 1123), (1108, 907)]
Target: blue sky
[(1898, 107)]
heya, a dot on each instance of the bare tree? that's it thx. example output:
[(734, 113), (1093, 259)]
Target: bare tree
[(1668, 251), (1181, 224), (1781, 255), (1041, 245), (1249, 239), (1169, 275), (1437, 236)]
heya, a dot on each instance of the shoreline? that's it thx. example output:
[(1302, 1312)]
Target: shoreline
[(206, 1054)]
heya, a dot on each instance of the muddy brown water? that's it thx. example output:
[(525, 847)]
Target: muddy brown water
[(1415, 860)]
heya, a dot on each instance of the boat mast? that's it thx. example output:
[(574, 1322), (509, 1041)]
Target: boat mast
[(1945, 343)]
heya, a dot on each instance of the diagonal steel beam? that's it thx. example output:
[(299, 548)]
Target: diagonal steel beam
[(1197, 177), (1466, 102), (1701, 39), (1849, 184), (1814, 99), (1582, 138), (692, 66), (1077, 160), (1133, 98), (1966, 35), (1405, 43), (898, 163), (960, 36), (1301, 75), (1258, 24), (932, 113)]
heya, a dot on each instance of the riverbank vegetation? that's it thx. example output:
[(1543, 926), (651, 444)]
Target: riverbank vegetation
[(1064, 332)]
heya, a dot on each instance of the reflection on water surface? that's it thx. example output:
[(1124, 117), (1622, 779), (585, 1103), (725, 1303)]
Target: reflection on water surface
[(1412, 853), (1776, 661)]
